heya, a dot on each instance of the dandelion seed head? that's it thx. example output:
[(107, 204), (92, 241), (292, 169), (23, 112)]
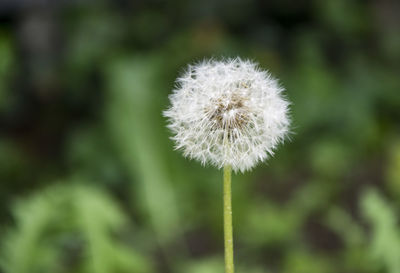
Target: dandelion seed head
[(228, 112)]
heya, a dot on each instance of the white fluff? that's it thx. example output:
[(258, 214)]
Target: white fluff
[(227, 113)]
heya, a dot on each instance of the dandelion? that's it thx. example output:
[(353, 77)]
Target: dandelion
[(229, 114)]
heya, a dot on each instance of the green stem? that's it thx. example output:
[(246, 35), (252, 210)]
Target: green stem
[(228, 233)]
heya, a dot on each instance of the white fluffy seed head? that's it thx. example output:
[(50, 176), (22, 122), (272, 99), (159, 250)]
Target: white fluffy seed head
[(227, 113)]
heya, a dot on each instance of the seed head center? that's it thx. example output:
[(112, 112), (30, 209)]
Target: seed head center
[(228, 112)]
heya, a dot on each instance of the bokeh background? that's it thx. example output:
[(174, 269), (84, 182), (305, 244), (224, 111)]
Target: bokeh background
[(89, 181)]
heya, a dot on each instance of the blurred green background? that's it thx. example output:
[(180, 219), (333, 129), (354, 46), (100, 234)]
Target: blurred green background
[(89, 181)]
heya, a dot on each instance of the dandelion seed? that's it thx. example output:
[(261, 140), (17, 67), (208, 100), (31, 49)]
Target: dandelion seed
[(228, 113)]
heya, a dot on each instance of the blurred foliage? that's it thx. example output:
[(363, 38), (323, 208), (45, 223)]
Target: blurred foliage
[(393, 170), (82, 90), (6, 69), (385, 241), (69, 229)]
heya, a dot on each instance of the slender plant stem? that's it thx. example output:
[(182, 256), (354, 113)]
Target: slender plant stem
[(228, 230)]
